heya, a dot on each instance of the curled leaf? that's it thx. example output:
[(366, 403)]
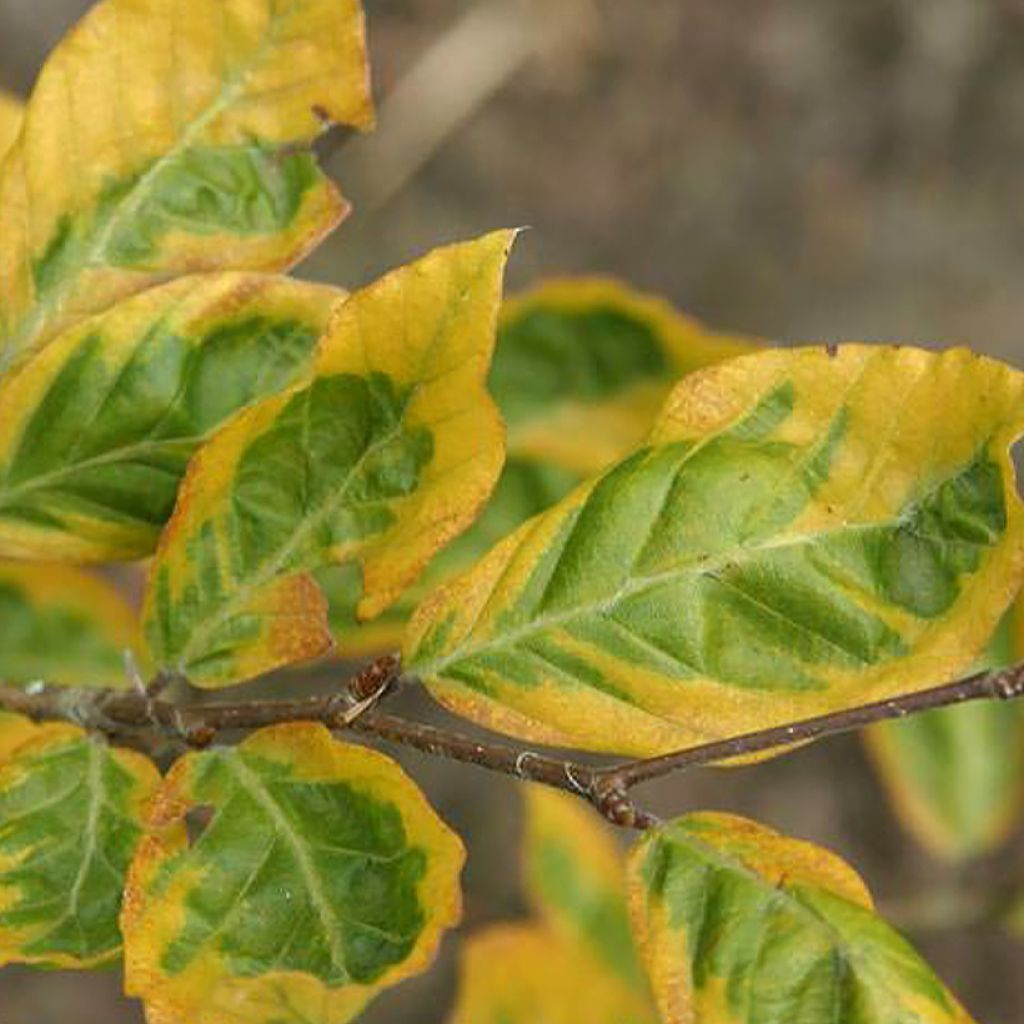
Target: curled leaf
[(321, 877), (96, 430), (62, 625), (70, 818), (189, 127), (739, 924), (805, 530), (385, 455)]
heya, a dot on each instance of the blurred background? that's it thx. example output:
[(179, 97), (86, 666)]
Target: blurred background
[(798, 169)]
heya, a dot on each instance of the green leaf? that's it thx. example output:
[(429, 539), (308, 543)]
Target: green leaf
[(526, 974), (386, 454), (321, 877), (62, 625), (955, 775), (187, 126), (575, 880), (583, 364), (70, 818), (96, 431), (740, 925), (805, 530)]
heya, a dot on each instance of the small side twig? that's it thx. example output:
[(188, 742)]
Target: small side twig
[(353, 709)]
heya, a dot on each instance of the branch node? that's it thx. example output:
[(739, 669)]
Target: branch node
[(520, 768)]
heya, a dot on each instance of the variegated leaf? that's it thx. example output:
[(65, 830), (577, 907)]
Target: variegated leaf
[(524, 489), (956, 775), (59, 624), (580, 368), (526, 974), (188, 125), (575, 879), (96, 430), (70, 819), (11, 112), (583, 364), (804, 530), (383, 457), (321, 877), (740, 925)]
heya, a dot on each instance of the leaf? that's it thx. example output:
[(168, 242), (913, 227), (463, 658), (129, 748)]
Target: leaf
[(383, 457), (739, 924), (70, 818), (805, 530), (580, 368), (11, 112), (955, 775), (524, 489), (321, 877), (525, 974), (583, 364), (14, 730), (188, 126), (574, 877), (96, 430), (62, 625)]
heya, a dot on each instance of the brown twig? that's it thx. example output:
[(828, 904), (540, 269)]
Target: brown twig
[(118, 713)]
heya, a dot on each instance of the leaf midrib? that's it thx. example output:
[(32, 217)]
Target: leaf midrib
[(272, 568), (698, 566), (329, 920)]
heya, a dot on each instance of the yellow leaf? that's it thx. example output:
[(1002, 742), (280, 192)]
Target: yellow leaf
[(166, 137), (14, 730), (322, 877), (11, 112), (804, 530), (385, 455), (62, 625), (575, 879), (525, 974)]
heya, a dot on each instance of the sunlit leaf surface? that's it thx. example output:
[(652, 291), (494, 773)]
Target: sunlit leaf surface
[(805, 530)]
